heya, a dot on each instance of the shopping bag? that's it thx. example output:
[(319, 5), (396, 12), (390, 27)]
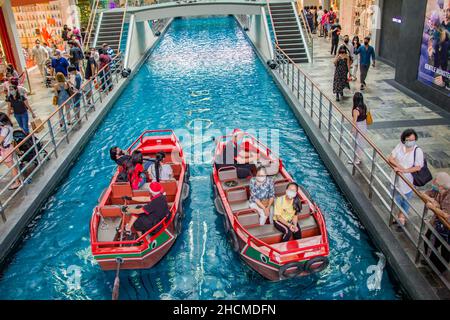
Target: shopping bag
[(36, 123), (369, 118)]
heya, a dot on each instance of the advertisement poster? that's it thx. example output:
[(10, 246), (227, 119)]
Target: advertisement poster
[(434, 55)]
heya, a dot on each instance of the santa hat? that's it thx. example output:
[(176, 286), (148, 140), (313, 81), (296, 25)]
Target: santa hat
[(155, 187)]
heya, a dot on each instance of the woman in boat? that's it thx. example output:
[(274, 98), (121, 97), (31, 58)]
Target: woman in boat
[(287, 208), (262, 195), (136, 175), (160, 171), (233, 155), (145, 218)]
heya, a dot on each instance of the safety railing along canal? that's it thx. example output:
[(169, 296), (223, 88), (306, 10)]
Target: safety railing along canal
[(375, 175), (56, 131)]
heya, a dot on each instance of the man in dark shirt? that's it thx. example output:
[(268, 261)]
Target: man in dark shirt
[(75, 55), (89, 72), (59, 64), (148, 216), (335, 33), (118, 155)]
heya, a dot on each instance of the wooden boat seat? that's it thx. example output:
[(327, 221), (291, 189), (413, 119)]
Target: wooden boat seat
[(309, 227), (249, 218), (280, 187), (170, 188), (238, 198), (107, 228), (267, 233), (227, 174), (120, 189)]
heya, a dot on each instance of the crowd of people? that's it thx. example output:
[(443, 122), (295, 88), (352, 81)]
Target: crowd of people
[(67, 73)]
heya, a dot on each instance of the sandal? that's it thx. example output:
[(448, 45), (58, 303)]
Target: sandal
[(14, 188)]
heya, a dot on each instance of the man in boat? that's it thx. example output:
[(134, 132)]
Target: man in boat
[(146, 217), (122, 158), (235, 155)]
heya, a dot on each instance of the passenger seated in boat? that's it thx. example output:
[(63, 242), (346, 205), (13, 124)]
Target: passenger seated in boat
[(135, 170), (119, 156), (233, 154), (160, 171), (151, 214), (262, 195), (287, 208)]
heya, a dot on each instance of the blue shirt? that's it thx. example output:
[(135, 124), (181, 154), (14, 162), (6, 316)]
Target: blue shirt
[(366, 54), (60, 65)]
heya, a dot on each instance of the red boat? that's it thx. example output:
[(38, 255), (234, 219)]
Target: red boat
[(261, 246), (107, 218)]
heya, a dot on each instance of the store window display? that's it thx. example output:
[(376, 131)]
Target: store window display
[(362, 18)]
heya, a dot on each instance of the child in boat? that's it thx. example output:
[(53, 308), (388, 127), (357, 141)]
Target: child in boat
[(160, 171), (136, 175), (262, 195), (145, 218), (287, 208)]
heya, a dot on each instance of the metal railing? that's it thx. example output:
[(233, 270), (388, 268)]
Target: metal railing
[(376, 176), (33, 152)]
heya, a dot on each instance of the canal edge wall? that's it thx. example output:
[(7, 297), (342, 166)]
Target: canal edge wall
[(407, 274), (31, 200)]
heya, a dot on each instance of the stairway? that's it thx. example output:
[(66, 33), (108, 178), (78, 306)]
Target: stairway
[(287, 31), (110, 27)]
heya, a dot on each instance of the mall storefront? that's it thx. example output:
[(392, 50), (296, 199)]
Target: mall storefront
[(22, 22)]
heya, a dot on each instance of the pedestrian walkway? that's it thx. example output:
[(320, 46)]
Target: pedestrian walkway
[(393, 111)]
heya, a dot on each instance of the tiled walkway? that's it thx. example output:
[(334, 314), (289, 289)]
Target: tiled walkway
[(392, 110)]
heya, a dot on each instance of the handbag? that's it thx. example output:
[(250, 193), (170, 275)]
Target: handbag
[(369, 119), (36, 123), (55, 100), (423, 176)]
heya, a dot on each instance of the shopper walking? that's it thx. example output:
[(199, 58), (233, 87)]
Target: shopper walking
[(335, 33), (7, 148), (59, 64), (342, 63), (40, 57), (62, 94), (366, 53), (355, 66), (359, 117), (320, 14), (18, 104)]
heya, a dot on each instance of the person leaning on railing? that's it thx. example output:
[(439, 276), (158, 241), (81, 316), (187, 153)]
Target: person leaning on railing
[(7, 148), (438, 200), (406, 158)]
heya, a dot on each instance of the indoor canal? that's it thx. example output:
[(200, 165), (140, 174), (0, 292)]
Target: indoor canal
[(204, 70)]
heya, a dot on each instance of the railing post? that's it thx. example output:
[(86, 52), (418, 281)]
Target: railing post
[(312, 101), (64, 123), (52, 136), (83, 96), (298, 84), (422, 227), (293, 77), (374, 154), (2, 212), (391, 212), (330, 113), (320, 109), (304, 91), (36, 149), (341, 132)]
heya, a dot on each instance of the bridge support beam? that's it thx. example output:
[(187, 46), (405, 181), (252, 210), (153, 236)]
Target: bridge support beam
[(140, 41)]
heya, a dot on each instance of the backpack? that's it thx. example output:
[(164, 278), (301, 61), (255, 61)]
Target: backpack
[(423, 176)]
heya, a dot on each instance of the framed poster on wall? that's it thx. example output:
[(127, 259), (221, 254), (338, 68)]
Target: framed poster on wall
[(435, 49)]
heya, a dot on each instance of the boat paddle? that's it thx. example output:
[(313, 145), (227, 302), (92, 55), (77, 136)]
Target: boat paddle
[(119, 260)]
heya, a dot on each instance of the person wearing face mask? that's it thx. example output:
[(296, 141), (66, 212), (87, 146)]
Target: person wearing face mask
[(40, 56), (406, 158), (355, 44), (287, 208), (340, 80), (366, 53), (234, 155), (75, 81), (262, 195), (438, 199), (18, 104), (7, 148), (59, 64), (349, 48)]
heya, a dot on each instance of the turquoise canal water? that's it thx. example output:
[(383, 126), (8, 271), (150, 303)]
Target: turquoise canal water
[(201, 69)]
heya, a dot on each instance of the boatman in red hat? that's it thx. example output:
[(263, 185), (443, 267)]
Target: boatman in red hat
[(146, 217)]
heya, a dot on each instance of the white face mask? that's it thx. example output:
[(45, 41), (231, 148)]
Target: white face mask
[(410, 144), (260, 178), (291, 194)]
